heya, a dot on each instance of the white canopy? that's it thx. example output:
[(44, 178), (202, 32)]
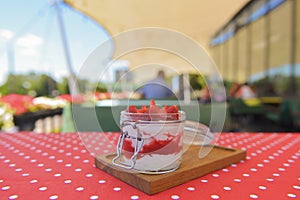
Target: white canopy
[(198, 20)]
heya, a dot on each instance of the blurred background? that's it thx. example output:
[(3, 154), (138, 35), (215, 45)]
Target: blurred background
[(44, 44)]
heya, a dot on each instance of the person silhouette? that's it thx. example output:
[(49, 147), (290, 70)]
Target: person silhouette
[(157, 88)]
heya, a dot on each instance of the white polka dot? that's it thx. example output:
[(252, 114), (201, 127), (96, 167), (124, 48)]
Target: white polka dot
[(281, 169), (227, 188), (42, 188), (291, 161), (48, 170), (175, 197), (117, 189), (253, 196), (57, 175), (233, 165), (297, 187), (204, 181), (68, 181), (34, 181), (215, 175), (86, 161), (53, 197), (253, 169), (262, 187), (134, 197), (89, 175), (94, 197), (80, 189), (19, 169), (225, 170), (237, 180), (270, 179), (25, 174), (12, 165), (78, 170), (13, 196), (260, 165), (68, 165), (286, 164), (40, 165), (59, 161), (101, 181), (246, 175), (214, 196), (275, 154), (291, 195), (5, 188), (191, 188), (276, 174)]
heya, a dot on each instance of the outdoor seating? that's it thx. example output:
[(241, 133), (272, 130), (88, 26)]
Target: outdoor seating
[(251, 106), (287, 114)]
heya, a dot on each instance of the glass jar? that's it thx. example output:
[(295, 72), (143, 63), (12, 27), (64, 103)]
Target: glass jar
[(150, 143)]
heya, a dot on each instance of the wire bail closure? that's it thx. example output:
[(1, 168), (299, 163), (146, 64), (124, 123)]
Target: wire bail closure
[(139, 142)]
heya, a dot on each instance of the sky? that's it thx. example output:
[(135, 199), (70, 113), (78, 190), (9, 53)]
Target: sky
[(32, 29)]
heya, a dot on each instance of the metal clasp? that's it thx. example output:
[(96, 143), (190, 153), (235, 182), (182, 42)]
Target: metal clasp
[(139, 142)]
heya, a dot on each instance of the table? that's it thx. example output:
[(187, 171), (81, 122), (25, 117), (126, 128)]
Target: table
[(60, 166)]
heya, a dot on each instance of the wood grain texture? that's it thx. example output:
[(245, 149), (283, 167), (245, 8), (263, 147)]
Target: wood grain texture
[(191, 167)]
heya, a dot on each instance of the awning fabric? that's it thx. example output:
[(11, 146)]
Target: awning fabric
[(198, 20)]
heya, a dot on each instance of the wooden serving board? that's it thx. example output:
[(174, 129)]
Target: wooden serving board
[(191, 167)]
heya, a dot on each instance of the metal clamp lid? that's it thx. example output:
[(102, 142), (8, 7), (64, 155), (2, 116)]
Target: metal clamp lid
[(139, 141)]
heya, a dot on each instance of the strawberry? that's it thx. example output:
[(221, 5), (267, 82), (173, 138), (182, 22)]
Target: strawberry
[(165, 108), (132, 109), (172, 109), (152, 103), (153, 108), (143, 109), (165, 113)]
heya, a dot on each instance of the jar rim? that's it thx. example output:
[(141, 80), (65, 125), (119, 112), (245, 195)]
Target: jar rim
[(153, 117)]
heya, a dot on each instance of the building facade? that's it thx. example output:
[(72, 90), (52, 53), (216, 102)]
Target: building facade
[(261, 45)]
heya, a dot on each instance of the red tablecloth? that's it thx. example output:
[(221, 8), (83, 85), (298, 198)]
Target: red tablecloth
[(59, 166)]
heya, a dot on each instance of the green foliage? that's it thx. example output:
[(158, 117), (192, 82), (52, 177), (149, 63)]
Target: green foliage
[(63, 87), (33, 84), (101, 87), (197, 81)]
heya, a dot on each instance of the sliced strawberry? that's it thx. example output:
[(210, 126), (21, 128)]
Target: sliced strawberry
[(132, 109), (144, 109), (153, 108), (152, 103), (172, 109)]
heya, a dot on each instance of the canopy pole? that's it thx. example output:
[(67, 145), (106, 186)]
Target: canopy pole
[(72, 78), (186, 88)]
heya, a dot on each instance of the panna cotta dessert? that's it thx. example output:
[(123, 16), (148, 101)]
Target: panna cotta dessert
[(151, 139)]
